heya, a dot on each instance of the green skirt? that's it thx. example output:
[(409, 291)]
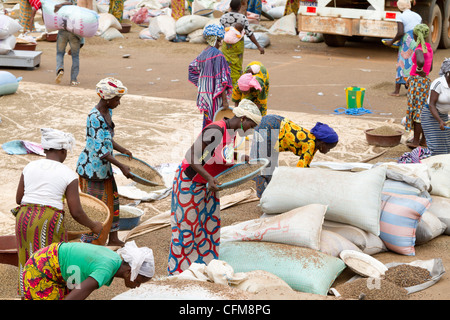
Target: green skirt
[(234, 54)]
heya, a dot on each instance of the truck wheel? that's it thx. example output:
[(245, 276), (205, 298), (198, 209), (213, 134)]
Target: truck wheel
[(433, 18), (445, 37), (435, 27), (334, 40)]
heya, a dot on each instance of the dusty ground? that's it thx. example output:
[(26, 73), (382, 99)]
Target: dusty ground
[(158, 120)]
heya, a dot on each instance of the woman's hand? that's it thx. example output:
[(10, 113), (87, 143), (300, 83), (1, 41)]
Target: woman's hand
[(126, 171), (261, 50), (212, 184), (442, 125), (128, 153), (97, 227)]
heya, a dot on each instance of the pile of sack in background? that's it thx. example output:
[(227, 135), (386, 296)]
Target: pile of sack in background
[(8, 28)]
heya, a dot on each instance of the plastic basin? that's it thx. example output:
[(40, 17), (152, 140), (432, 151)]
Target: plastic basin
[(131, 222), (383, 140)]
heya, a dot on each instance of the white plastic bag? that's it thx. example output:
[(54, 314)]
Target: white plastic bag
[(190, 23), (106, 21), (262, 38), (111, 34)]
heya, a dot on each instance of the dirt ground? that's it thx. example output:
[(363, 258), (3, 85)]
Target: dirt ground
[(158, 120)]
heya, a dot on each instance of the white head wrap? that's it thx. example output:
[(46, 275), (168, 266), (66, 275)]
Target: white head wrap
[(109, 88), (255, 68), (249, 109), (56, 139), (404, 4), (140, 260)]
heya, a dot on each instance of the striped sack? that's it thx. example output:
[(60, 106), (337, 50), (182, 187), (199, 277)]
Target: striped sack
[(400, 215)]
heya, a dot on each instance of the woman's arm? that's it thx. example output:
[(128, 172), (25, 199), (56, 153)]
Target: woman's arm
[(399, 35), (85, 289), (20, 190), (123, 167), (420, 61), (434, 96), (76, 210), (253, 39)]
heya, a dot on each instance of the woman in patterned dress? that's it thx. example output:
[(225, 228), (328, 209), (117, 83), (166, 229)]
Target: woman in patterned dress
[(234, 53), (277, 134), (418, 85), (94, 163), (42, 187), (210, 73), (253, 85), (195, 215), (407, 21)]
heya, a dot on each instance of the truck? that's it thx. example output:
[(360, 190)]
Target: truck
[(343, 20)]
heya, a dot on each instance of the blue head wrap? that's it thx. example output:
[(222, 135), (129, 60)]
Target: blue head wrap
[(214, 30), (324, 133)]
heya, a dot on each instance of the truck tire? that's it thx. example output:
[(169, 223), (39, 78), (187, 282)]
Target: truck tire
[(335, 40), (445, 37), (433, 18)]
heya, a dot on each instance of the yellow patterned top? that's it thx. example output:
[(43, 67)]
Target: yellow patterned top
[(297, 140)]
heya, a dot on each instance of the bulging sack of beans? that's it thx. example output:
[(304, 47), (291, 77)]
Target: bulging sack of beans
[(79, 20)]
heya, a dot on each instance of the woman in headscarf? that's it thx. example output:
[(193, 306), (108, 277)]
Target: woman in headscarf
[(94, 163), (42, 188), (210, 73), (72, 271), (277, 134), (253, 85), (434, 116), (418, 85), (234, 52), (405, 25), (195, 216)]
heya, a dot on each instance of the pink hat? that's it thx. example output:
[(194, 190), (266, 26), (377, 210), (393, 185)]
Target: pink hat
[(248, 81)]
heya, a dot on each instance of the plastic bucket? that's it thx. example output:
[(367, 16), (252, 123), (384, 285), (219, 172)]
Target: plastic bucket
[(355, 97)]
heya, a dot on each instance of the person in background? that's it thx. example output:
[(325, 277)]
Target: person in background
[(85, 4), (42, 187), (210, 73), (116, 9), (27, 11), (405, 25), (75, 42), (418, 85), (94, 165), (253, 85), (178, 8), (234, 53), (277, 134), (72, 271), (434, 116), (195, 211)]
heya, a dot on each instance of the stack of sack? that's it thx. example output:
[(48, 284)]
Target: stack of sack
[(109, 27), (8, 28), (312, 214)]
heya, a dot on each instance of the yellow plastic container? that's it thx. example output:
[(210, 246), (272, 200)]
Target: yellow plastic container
[(355, 97)]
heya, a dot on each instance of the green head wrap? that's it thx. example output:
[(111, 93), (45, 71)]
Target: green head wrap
[(422, 31)]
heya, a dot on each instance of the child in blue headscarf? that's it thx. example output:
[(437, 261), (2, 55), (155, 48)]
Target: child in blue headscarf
[(277, 134)]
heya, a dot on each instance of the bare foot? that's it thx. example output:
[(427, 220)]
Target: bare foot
[(394, 94)]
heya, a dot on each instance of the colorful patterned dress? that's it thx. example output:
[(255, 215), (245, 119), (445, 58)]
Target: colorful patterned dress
[(195, 215), (210, 73), (258, 97), (277, 134), (404, 62), (95, 174)]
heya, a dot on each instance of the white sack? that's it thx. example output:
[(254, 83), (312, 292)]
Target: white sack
[(428, 228), (8, 26), (190, 23), (262, 38), (285, 25), (365, 241), (300, 226), (440, 207), (277, 12), (111, 34), (352, 198), (8, 44), (196, 36), (439, 170), (332, 243), (106, 21), (415, 174), (163, 24)]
